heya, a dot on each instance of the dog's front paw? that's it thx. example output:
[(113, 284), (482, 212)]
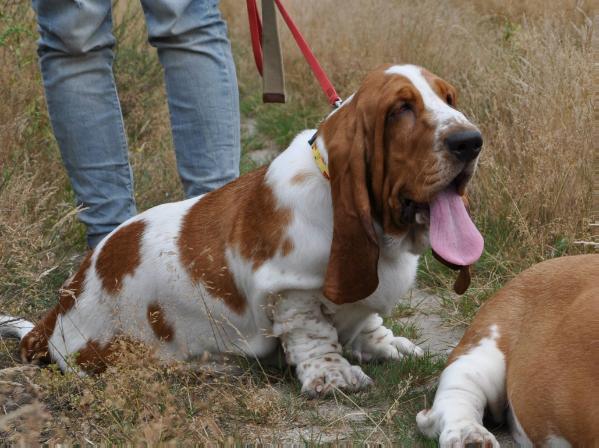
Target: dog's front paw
[(466, 433), (373, 346), (454, 433), (320, 376)]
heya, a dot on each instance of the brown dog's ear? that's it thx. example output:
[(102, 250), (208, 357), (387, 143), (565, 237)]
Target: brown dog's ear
[(352, 272)]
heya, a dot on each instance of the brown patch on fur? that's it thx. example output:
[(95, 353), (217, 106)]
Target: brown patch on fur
[(34, 346), (161, 328), (120, 256), (95, 357), (548, 327), (262, 225), (287, 247), (242, 215), (300, 178)]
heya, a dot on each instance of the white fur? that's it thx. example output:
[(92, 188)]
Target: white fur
[(310, 342), (471, 383), (14, 327), (375, 341), (556, 442)]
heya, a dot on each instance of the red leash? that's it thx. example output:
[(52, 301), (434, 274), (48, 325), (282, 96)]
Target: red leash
[(256, 33)]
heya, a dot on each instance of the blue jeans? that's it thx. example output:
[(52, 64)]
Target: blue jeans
[(76, 55)]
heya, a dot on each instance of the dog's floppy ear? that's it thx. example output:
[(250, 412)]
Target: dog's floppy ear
[(352, 270)]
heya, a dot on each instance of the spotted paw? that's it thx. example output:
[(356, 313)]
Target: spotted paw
[(320, 376)]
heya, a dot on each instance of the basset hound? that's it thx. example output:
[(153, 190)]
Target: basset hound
[(310, 251), (533, 351)]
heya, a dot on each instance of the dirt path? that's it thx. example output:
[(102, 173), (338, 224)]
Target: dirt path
[(435, 335)]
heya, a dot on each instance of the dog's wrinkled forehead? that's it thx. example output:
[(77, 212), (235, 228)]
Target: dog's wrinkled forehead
[(441, 113)]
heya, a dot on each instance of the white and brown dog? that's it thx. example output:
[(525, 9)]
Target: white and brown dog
[(310, 251), (533, 350)]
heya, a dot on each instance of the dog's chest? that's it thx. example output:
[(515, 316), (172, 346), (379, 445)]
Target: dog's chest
[(397, 272)]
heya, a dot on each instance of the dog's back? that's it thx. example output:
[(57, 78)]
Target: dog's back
[(553, 357)]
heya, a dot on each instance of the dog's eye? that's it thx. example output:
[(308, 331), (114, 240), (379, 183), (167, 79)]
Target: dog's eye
[(405, 107), (399, 110), (449, 99)]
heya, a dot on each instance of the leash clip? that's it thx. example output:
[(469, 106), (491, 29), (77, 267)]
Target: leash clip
[(336, 105)]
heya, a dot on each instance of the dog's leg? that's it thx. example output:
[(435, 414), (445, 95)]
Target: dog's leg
[(375, 341), (311, 344), (473, 381)]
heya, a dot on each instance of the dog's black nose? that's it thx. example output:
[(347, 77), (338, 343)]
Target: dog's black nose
[(465, 145)]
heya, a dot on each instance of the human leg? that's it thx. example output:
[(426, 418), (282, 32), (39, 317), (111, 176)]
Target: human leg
[(75, 54), (201, 84)]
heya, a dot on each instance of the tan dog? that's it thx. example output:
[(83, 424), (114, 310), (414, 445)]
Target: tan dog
[(533, 347)]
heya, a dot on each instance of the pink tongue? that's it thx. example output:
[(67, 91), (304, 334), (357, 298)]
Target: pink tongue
[(453, 235)]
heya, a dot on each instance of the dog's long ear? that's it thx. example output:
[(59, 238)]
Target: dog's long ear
[(352, 270)]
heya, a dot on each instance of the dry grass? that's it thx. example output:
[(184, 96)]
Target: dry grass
[(523, 73), (522, 70), (138, 401)]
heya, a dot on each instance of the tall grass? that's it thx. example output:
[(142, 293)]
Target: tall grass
[(522, 70)]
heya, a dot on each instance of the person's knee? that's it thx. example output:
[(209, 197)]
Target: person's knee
[(191, 24), (82, 43), (74, 45), (75, 29)]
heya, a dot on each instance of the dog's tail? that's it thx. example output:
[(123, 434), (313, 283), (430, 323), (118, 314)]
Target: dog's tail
[(14, 327)]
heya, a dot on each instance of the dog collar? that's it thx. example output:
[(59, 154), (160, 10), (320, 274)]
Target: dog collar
[(320, 163)]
